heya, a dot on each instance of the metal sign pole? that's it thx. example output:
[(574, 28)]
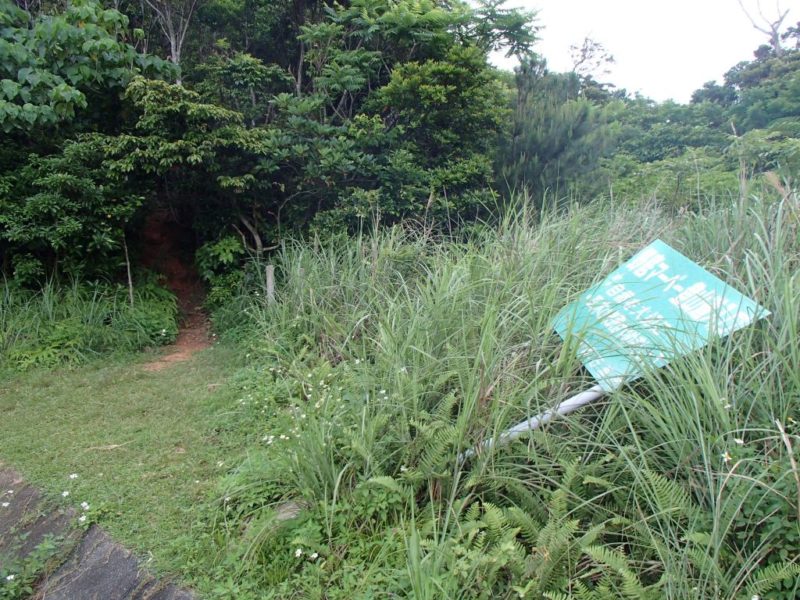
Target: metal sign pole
[(567, 406)]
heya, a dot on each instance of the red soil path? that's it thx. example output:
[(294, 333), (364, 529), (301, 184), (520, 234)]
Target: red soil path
[(165, 251)]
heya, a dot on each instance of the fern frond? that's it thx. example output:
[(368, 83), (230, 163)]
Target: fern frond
[(767, 577), (529, 528)]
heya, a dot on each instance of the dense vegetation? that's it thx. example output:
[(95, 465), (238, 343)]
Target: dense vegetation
[(427, 215), (266, 118)]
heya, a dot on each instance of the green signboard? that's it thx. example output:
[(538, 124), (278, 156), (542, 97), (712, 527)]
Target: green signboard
[(657, 306)]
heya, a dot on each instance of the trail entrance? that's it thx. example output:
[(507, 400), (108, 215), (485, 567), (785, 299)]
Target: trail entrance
[(168, 249)]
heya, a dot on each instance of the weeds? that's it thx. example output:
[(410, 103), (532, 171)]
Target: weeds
[(69, 324), (387, 356)]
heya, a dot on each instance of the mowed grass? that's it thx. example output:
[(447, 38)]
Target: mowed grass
[(141, 443)]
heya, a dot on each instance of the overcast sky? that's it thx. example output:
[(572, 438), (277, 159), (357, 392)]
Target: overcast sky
[(663, 49)]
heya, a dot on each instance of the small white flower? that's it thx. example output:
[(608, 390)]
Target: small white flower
[(5, 504), (82, 519), (73, 476), (298, 553), (382, 392), (65, 493), (727, 406), (220, 463), (10, 577), (403, 469), (358, 361), (85, 505), (726, 457), (739, 441), (314, 556), (10, 492), (755, 597)]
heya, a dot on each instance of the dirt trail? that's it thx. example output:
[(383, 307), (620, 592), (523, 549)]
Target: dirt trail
[(168, 251)]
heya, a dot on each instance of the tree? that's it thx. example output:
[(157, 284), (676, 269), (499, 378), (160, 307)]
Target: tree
[(558, 135), (769, 27), (66, 212), (174, 18), (590, 59), (61, 76), (49, 64), (372, 107)]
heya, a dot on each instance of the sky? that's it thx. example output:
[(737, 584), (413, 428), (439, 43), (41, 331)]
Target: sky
[(664, 49)]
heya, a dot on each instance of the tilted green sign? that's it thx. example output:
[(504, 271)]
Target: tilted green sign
[(657, 306)]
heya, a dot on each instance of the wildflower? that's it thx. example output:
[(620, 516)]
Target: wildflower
[(220, 463), (726, 457), (73, 476), (739, 441), (358, 361), (85, 505), (298, 553), (5, 504), (82, 519), (9, 492), (10, 577), (314, 556), (403, 469), (65, 493)]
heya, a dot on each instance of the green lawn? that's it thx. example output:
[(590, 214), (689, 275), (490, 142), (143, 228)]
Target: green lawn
[(142, 444)]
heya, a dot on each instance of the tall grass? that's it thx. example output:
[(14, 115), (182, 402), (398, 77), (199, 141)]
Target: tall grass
[(384, 357), (71, 323)]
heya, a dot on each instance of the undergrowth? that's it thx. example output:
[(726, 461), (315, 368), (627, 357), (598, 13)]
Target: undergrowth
[(60, 324), (384, 357)]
